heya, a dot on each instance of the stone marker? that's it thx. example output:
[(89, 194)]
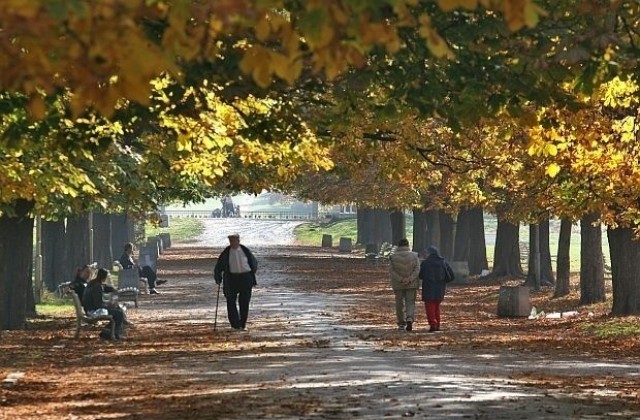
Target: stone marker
[(461, 271), (513, 301), (345, 245), (327, 241)]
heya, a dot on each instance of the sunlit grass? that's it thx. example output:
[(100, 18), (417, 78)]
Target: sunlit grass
[(180, 229), (615, 328), (55, 306)]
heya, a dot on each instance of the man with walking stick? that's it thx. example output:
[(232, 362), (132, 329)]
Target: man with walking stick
[(236, 270)]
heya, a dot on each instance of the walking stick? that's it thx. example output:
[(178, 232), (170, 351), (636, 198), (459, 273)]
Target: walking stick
[(215, 318)]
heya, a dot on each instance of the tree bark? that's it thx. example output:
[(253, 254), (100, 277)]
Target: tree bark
[(54, 267), (463, 236), (419, 230), (433, 228), (591, 261), (102, 249), (563, 264), (477, 242), (625, 271), (506, 257), (16, 256), (122, 232), (77, 240), (546, 268), (398, 226), (447, 228)]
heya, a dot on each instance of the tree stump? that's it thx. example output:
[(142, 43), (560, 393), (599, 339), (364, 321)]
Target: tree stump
[(345, 245), (327, 241), (513, 301)]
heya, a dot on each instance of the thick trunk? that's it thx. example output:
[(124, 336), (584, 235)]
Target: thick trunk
[(564, 262), (77, 240), (16, 256), (447, 228), (506, 257), (361, 226), (54, 268), (102, 249), (376, 226), (477, 242), (121, 226), (433, 228), (545, 267), (398, 226), (463, 235), (419, 230), (625, 271), (591, 261), (383, 225)]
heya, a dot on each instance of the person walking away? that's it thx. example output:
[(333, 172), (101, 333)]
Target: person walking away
[(93, 300), (127, 262), (236, 270), (404, 268), (435, 273)]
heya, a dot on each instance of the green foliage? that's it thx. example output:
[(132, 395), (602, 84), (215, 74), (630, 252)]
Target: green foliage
[(180, 229), (613, 329), (54, 306)]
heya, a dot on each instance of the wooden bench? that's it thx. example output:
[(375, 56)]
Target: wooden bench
[(83, 319), (129, 285)]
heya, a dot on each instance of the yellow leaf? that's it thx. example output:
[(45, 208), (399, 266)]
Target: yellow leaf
[(552, 170), (550, 150), (263, 29)]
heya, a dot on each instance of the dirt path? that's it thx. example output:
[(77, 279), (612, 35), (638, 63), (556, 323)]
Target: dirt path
[(310, 352)]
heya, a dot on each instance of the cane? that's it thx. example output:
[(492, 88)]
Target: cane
[(215, 318)]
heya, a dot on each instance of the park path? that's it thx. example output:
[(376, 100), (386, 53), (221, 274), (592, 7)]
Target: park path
[(300, 360)]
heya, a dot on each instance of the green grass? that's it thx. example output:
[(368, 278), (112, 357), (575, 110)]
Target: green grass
[(311, 233), (54, 306), (613, 329), (180, 229)]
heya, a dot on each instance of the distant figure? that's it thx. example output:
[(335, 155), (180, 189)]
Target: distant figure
[(127, 262), (236, 270), (435, 273), (404, 268), (228, 209)]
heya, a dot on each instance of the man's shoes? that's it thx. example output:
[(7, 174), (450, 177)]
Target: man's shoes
[(159, 282), (153, 292), (409, 326)]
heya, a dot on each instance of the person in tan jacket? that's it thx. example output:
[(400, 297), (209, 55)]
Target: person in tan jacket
[(404, 269)]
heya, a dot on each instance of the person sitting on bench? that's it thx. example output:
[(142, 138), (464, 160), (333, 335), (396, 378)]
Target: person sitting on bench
[(127, 262), (83, 274), (93, 300)]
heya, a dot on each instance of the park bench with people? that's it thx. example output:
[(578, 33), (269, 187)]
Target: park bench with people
[(379, 255), (83, 319)]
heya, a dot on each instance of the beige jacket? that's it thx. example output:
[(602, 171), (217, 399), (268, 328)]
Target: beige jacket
[(404, 269)]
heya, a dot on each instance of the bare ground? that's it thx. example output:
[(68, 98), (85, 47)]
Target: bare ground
[(322, 344)]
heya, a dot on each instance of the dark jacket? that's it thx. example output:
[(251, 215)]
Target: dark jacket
[(435, 273), (222, 265), (92, 297), (126, 261), (78, 285)]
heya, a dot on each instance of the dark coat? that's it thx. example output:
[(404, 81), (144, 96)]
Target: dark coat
[(435, 273), (78, 285), (92, 297), (222, 270)]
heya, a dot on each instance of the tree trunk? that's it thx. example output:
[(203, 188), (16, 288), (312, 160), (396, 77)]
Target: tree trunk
[(398, 226), (563, 263), (625, 271), (361, 226), (102, 249), (533, 261), (463, 235), (419, 230), (376, 226), (506, 257), (121, 226), (477, 242), (54, 267), (383, 225), (447, 227), (591, 261), (16, 256), (433, 228), (545, 266), (77, 240)]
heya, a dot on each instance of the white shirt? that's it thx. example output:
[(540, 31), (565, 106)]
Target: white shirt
[(238, 261)]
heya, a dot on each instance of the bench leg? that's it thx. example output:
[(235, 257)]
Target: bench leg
[(113, 330), (78, 326)]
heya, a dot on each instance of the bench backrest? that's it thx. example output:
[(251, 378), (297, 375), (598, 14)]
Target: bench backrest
[(128, 278), (76, 303)]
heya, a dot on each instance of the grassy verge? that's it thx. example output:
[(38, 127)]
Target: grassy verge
[(180, 229), (615, 328), (311, 233), (54, 306)]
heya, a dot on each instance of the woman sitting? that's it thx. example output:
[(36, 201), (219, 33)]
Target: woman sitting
[(93, 300)]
